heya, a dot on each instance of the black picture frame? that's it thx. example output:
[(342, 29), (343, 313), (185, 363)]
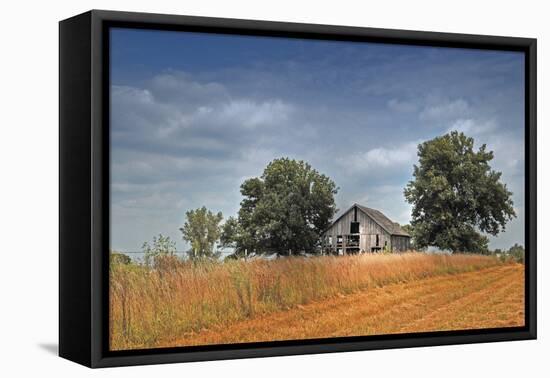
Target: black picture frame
[(84, 187)]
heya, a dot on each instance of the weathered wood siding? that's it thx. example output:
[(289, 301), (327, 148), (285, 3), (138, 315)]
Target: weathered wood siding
[(400, 243), (368, 229)]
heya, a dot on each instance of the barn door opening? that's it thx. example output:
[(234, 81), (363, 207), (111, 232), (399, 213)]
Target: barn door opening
[(376, 247)]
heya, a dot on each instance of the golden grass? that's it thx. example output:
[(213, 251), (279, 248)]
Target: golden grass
[(488, 298), (155, 308)]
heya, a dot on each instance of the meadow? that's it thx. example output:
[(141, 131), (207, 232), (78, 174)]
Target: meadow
[(181, 303)]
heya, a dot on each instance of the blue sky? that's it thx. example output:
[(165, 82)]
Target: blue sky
[(193, 115)]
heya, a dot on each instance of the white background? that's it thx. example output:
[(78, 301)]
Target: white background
[(29, 186)]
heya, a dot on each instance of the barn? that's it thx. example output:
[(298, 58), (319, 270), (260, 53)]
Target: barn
[(361, 229)]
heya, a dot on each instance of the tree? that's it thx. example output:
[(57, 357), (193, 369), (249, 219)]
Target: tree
[(230, 233), (285, 211), (517, 252), (202, 230), (410, 230), (162, 246), (233, 236), (456, 195)]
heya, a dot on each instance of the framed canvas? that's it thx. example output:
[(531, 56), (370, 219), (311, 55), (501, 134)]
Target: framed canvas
[(235, 188)]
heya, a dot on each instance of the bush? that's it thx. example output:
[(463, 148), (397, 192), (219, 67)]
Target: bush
[(161, 246), (119, 258), (517, 253), (165, 263)]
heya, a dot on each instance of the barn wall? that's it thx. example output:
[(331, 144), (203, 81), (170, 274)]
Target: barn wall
[(400, 243), (342, 226), (369, 240), (368, 230)]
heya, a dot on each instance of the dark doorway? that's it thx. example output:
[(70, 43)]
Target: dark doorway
[(354, 228)]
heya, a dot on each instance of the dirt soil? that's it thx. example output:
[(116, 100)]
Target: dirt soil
[(487, 298)]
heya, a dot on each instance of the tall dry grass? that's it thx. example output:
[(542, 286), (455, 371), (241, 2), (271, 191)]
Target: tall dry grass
[(149, 306)]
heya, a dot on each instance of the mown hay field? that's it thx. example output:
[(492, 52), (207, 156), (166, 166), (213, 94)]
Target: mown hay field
[(190, 303)]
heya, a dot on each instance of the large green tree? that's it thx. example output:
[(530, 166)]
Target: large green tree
[(202, 230), (285, 211), (456, 195)]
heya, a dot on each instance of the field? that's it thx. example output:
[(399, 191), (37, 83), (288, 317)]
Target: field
[(184, 303)]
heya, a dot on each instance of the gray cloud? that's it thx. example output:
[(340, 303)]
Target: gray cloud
[(181, 140)]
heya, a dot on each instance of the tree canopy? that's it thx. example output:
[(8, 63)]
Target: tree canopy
[(202, 230), (285, 211), (456, 195)]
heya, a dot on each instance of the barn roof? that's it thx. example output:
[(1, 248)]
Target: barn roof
[(379, 218)]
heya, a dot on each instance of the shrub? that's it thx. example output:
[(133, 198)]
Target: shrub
[(119, 258), (161, 246), (517, 253)]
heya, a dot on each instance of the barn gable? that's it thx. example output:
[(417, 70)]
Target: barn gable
[(384, 222)]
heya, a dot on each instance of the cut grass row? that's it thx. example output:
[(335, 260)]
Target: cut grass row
[(488, 298), (148, 306)]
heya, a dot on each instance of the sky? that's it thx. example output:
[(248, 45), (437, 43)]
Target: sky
[(193, 115)]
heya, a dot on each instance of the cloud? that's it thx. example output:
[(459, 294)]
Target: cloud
[(251, 114), (179, 88), (509, 155), (175, 115), (473, 127), (179, 143), (186, 137), (383, 159), (445, 110), (401, 106)]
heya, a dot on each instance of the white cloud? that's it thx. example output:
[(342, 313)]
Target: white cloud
[(235, 115), (252, 114), (131, 95), (473, 127), (445, 110), (383, 158)]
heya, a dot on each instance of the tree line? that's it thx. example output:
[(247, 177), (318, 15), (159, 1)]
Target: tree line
[(456, 198), (284, 211)]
